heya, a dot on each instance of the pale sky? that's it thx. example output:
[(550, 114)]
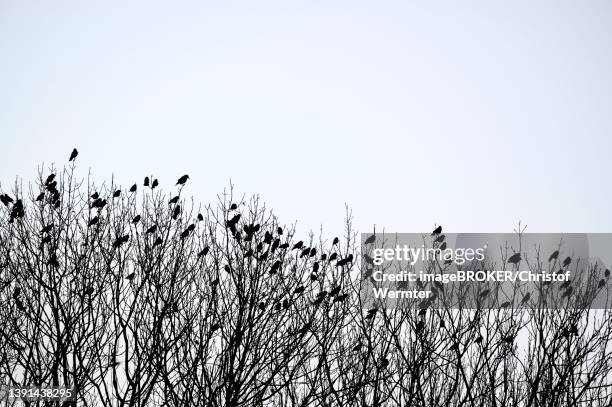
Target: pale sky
[(473, 116)]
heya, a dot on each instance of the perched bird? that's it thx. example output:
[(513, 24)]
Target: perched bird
[(95, 195), (370, 239), (371, 313), (567, 261), (49, 179), (155, 183), (455, 346), (133, 188), (40, 197), (479, 339), (173, 200), (200, 217), (515, 258), (299, 290), (336, 241), (47, 228), (176, 213), (525, 298), (121, 240), (384, 363), (233, 207), (602, 283), (204, 252), (505, 304), (6, 200), (136, 219), (130, 276), (340, 298), (333, 256), (117, 193), (152, 229), (73, 155), (279, 230), (182, 180), (553, 256), (146, 181), (335, 291), (298, 245), (93, 221), (437, 231)]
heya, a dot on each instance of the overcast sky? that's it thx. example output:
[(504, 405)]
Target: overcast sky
[(474, 116)]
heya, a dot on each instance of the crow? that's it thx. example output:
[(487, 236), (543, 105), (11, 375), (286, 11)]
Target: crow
[(130, 276), (336, 241), (437, 231), (370, 239), (341, 298), (279, 230), (299, 290), (384, 363), (284, 246), (525, 298), (200, 217), (173, 200), (146, 181), (262, 306), (298, 245), (567, 261), (136, 219), (371, 313), (333, 256), (47, 228), (73, 155), (602, 283), (6, 200), (515, 258), (133, 188), (454, 346), (150, 230), (233, 207), (505, 304), (176, 213), (93, 221), (313, 252), (553, 256), (182, 180), (49, 179), (155, 183), (117, 193), (95, 196), (40, 197), (479, 339), (267, 237), (121, 240)]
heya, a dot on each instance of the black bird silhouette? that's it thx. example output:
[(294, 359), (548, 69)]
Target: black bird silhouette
[(73, 155), (152, 229), (370, 240), (340, 298), (49, 179), (47, 228), (284, 246), (515, 258), (267, 238), (553, 256), (93, 221), (182, 180), (567, 261), (146, 181), (443, 246), (200, 217), (6, 200), (215, 327), (279, 230), (136, 219), (130, 276), (299, 290), (345, 261), (437, 231), (602, 283), (525, 298), (121, 240), (40, 197), (479, 339), (117, 193), (384, 363), (233, 207), (335, 291), (371, 313), (336, 241), (333, 256), (505, 304), (155, 183), (133, 188), (95, 195), (173, 200), (298, 245), (440, 238), (419, 326), (454, 346), (204, 252), (313, 252), (176, 212), (262, 306)]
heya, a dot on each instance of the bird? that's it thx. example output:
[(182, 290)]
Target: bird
[(173, 200), (233, 207), (176, 212), (370, 240), (121, 240), (40, 197), (567, 261), (93, 221), (279, 230), (505, 304), (384, 363), (136, 219), (6, 200), (437, 231), (73, 155), (130, 276), (298, 245), (150, 230), (47, 228), (204, 252), (200, 217), (419, 326), (49, 179), (155, 183), (553, 256), (336, 241), (117, 193), (479, 339), (299, 290), (602, 283), (515, 258), (371, 313), (146, 181), (333, 256), (133, 188), (525, 298), (182, 180), (95, 196)]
